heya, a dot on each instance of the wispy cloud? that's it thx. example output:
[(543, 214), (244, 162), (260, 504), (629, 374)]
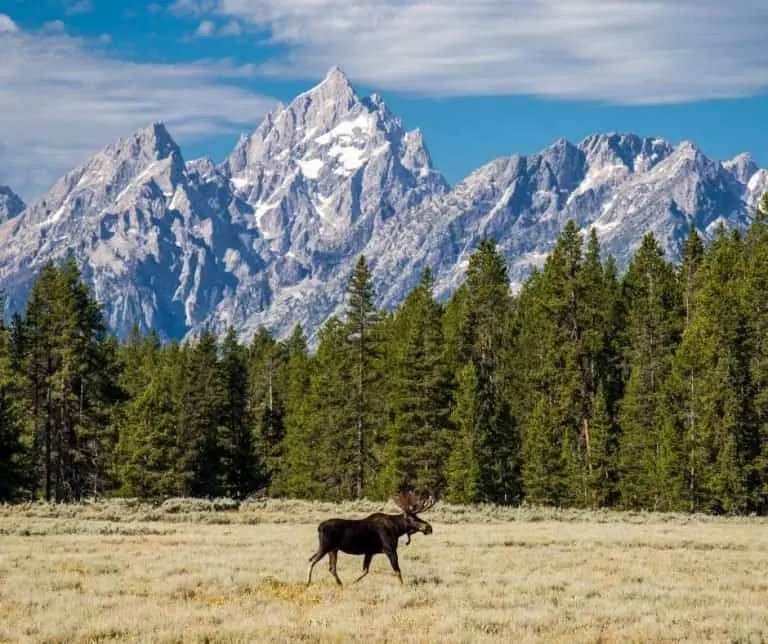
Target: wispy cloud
[(54, 27), (77, 7), (623, 51), (208, 29), (62, 98), (192, 7), (205, 29), (232, 28)]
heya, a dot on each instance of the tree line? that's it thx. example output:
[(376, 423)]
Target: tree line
[(647, 390)]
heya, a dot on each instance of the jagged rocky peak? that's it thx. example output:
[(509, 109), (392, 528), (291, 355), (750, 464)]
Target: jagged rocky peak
[(742, 166), (493, 176), (153, 141), (688, 164), (203, 167), (332, 97), (324, 132), (150, 151), (564, 163), (143, 151), (636, 153), (311, 114), (271, 236), (689, 150), (148, 156), (10, 204)]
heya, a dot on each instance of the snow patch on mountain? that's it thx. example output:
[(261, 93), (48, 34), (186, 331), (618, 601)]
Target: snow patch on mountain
[(271, 236)]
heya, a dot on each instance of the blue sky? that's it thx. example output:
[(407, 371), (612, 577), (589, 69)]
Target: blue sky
[(481, 79)]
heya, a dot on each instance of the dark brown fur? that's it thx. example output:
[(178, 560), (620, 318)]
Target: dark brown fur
[(375, 534)]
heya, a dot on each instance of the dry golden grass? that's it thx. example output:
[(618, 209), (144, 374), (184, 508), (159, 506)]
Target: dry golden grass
[(184, 572)]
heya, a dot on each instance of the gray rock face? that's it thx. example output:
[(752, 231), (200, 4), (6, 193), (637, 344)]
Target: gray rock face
[(323, 176), (10, 204), (270, 236), (623, 185), (148, 234)]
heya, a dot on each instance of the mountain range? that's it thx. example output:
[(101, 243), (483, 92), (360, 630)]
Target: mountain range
[(270, 235)]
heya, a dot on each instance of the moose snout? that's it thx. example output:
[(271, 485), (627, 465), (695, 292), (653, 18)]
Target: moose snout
[(427, 529)]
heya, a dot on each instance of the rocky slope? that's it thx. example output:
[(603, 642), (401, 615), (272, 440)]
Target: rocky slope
[(10, 204), (270, 236)]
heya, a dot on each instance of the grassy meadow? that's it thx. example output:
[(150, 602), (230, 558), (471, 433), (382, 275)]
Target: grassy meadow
[(193, 571)]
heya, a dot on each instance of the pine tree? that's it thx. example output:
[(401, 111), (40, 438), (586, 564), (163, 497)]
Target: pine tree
[(13, 465), (756, 312), (69, 371), (294, 477), (332, 434), (481, 324), (362, 319), (240, 463), (420, 386), (201, 420), (266, 360), (650, 457), (713, 383), (456, 331), (148, 451), (693, 253), (564, 358), (596, 363), (464, 477), (683, 384), (604, 476), (544, 447)]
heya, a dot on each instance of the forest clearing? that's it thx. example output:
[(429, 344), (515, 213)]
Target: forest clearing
[(193, 570)]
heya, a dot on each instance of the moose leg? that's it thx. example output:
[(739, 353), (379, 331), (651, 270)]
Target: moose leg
[(395, 564), (312, 561), (332, 557), (366, 566)]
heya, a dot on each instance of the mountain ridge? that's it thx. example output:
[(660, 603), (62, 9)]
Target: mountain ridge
[(270, 235)]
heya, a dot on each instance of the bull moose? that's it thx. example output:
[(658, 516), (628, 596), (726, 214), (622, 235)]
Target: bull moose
[(375, 534)]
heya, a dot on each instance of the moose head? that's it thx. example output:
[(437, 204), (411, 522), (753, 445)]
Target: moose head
[(412, 504)]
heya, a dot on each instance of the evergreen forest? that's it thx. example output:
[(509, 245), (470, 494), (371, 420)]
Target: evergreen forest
[(585, 388)]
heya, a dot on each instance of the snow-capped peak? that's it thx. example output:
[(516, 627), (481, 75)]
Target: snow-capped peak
[(271, 236), (327, 162)]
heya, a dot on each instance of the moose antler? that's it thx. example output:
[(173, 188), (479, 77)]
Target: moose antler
[(411, 503)]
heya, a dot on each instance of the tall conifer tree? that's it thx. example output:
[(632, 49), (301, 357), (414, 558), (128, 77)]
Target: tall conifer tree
[(418, 445), (650, 451), (362, 319)]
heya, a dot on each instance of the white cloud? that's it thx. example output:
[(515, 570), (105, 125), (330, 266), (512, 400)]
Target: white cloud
[(232, 28), (192, 7), (62, 99), (205, 29), (208, 29), (7, 26), (624, 51), (77, 7), (54, 27)]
